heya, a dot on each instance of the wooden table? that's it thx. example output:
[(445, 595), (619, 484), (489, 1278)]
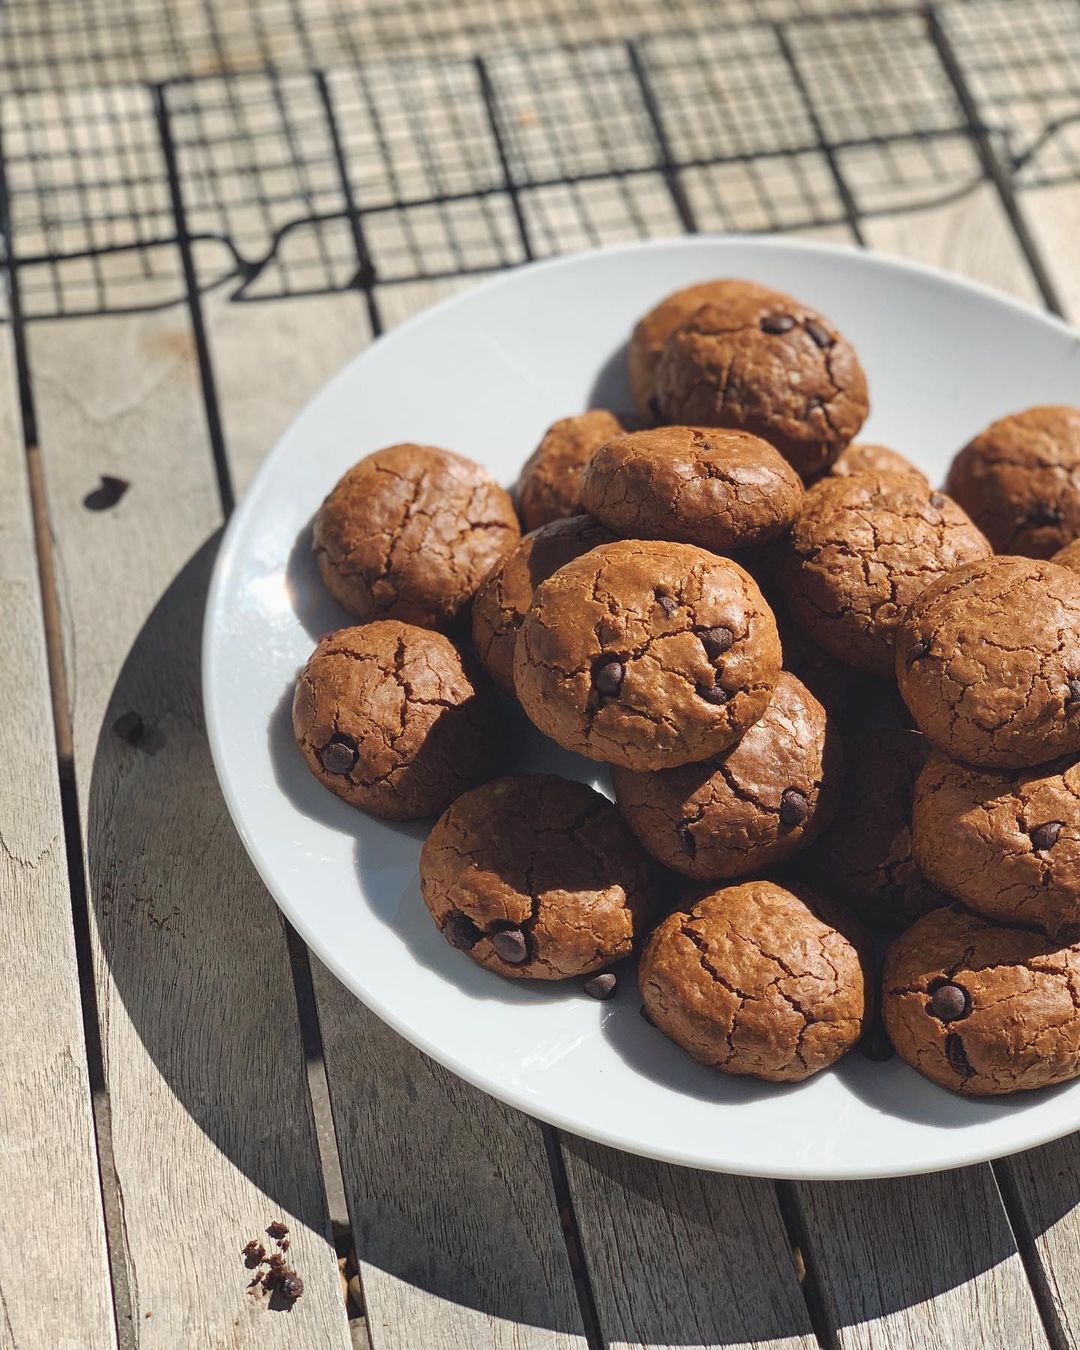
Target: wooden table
[(210, 206)]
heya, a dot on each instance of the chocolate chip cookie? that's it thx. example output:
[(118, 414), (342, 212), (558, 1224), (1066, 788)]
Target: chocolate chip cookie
[(1069, 556), (410, 532), (548, 488), (653, 330), (391, 718), (537, 877), (763, 362), (866, 458), (505, 595), (861, 550), (988, 661), (1019, 481), (866, 857), (756, 804), (758, 979), (1004, 841), (982, 1008), (647, 654), (714, 487)]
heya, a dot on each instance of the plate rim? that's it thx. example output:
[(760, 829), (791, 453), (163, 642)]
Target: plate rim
[(951, 1157)]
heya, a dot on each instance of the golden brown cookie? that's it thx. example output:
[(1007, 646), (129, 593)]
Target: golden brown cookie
[(1069, 556), (506, 594), (758, 979), (714, 487), (653, 330), (763, 362), (988, 661), (1004, 841), (537, 877), (390, 718), (982, 1008), (751, 807), (866, 458), (410, 532), (865, 857), (647, 654), (1019, 481), (861, 550), (548, 488)]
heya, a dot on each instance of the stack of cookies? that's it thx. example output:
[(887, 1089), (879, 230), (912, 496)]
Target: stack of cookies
[(829, 708)]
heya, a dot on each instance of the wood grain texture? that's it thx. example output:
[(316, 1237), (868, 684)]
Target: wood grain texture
[(212, 1130), (684, 1258), (48, 1163)]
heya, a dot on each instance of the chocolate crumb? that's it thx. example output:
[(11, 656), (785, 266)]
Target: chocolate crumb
[(276, 1230), (601, 986), (292, 1286), (254, 1253), (106, 494)]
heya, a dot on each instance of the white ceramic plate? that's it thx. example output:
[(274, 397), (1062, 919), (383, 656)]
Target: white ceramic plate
[(484, 374)]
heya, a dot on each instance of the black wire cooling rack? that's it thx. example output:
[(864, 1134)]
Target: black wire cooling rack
[(292, 147)]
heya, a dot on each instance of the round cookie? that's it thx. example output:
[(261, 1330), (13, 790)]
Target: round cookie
[(714, 487), (410, 532), (755, 805), (647, 654), (866, 857), (390, 718), (1069, 556), (652, 330), (506, 594), (1019, 481), (982, 1008), (758, 979), (859, 553), (763, 362), (548, 487), (536, 877), (866, 458), (1004, 841), (988, 661)]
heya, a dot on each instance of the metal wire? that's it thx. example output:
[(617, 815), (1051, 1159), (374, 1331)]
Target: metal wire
[(317, 145)]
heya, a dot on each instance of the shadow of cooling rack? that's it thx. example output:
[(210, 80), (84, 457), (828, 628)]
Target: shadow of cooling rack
[(307, 147)]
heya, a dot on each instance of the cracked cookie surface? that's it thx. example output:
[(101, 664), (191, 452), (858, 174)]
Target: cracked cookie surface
[(647, 654), (537, 877), (864, 457), (1019, 481), (1069, 556), (718, 488), (550, 481), (410, 532), (866, 856), (988, 661), (748, 809), (982, 1008), (1004, 841), (653, 329), (506, 593), (390, 718), (762, 361), (861, 550), (759, 979)]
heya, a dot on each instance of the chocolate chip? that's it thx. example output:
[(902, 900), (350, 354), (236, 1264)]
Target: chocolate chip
[(938, 499), (1044, 837), (777, 323), (716, 641), (339, 754), (667, 603), (510, 946), (949, 1002), (608, 676), (292, 1286), (918, 650), (875, 1044), (601, 986), (957, 1055), (712, 693), (1044, 513), (794, 808), (646, 1016), (460, 931), (129, 727), (819, 334), (107, 494), (1074, 692), (689, 843)]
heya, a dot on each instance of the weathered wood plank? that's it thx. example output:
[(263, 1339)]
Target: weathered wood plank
[(212, 1129), (48, 1163)]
